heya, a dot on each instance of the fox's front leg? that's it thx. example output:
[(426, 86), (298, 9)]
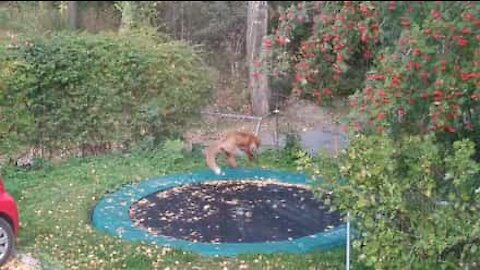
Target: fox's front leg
[(251, 152), (250, 155), (230, 151), (231, 160)]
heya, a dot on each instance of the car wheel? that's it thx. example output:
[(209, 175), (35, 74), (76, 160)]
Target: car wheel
[(6, 241)]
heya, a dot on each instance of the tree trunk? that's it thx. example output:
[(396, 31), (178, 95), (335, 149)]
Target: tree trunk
[(257, 22), (48, 12), (44, 6), (126, 8), (182, 20), (72, 13)]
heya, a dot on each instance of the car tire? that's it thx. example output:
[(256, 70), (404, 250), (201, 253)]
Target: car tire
[(7, 242)]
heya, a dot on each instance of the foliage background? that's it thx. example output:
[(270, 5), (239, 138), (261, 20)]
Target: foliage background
[(66, 90), (411, 70)]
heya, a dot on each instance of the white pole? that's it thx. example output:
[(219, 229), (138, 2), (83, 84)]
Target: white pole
[(347, 265)]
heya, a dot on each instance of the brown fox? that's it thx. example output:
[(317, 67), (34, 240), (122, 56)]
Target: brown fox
[(231, 145)]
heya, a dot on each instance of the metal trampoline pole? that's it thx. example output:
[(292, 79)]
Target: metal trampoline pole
[(347, 264)]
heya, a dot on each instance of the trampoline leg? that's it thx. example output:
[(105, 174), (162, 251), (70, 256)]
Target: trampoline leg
[(347, 264)]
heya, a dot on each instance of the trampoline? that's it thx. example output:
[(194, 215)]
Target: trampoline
[(243, 211)]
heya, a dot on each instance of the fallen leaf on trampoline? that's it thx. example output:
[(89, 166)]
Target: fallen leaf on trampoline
[(240, 207)]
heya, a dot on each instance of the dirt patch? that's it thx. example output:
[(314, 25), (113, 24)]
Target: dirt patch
[(318, 127)]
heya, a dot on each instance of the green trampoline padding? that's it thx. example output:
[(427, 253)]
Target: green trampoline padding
[(111, 215)]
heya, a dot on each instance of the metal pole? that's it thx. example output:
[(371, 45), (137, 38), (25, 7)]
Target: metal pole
[(257, 129), (347, 264), (259, 119), (238, 116), (276, 127)]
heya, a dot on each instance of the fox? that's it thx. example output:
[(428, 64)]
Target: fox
[(231, 145)]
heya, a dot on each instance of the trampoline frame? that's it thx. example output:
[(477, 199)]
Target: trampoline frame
[(111, 215)]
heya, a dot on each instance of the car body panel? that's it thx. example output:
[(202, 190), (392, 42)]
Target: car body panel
[(9, 209)]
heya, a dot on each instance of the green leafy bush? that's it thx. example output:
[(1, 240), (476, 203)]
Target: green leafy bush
[(72, 89), (414, 205), (415, 199)]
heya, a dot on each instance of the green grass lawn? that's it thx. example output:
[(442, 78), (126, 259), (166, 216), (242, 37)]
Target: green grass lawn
[(56, 202)]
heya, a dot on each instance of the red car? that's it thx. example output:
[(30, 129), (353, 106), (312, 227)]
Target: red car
[(9, 224)]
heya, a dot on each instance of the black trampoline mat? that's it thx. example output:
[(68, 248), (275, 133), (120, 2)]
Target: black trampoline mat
[(234, 212)]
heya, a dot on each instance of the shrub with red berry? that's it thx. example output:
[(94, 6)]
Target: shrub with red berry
[(411, 185), (418, 62)]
